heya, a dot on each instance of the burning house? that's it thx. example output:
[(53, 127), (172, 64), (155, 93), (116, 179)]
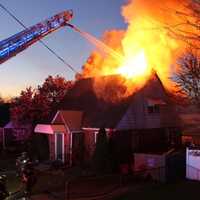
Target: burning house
[(145, 121), (133, 106)]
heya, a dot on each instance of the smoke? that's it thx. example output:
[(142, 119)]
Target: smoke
[(153, 29), (99, 63)]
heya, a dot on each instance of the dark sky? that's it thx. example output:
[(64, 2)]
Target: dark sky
[(33, 65)]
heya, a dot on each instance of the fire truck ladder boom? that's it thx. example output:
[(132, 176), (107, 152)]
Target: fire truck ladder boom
[(22, 40)]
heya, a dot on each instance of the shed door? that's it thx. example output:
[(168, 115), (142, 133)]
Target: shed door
[(59, 146)]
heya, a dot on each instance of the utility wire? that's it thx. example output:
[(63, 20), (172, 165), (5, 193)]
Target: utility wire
[(43, 43)]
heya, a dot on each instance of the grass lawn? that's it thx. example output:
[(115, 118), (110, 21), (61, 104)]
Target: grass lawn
[(183, 190)]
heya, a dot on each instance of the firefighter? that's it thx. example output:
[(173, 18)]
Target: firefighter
[(21, 162)]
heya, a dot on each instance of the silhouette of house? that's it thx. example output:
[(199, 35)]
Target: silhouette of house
[(18, 131), (11, 132)]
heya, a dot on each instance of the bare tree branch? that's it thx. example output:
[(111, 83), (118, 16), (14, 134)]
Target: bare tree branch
[(188, 77), (188, 27)]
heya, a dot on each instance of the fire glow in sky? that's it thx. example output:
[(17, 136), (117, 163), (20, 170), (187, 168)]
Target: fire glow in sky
[(147, 45)]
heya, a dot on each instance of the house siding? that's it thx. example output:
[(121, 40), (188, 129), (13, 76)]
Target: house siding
[(169, 116), (67, 147), (137, 115), (152, 120), (128, 121)]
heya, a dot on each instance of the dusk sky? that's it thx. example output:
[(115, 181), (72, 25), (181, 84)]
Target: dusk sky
[(33, 65)]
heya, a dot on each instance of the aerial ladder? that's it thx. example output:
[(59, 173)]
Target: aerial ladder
[(22, 40)]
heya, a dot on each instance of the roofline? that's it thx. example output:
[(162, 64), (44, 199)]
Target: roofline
[(57, 113)]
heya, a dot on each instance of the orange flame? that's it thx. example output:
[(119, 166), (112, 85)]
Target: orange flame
[(134, 66), (147, 45)]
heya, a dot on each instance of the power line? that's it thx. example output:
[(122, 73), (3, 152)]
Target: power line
[(43, 43)]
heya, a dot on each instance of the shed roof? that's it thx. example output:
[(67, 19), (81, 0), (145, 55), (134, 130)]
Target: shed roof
[(71, 119), (49, 128)]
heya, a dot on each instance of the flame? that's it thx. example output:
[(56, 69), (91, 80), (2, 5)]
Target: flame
[(134, 66), (147, 45)]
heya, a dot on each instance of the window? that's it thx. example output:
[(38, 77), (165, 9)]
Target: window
[(153, 105), (153, 109)]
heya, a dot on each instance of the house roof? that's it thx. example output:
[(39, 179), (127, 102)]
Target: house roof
[(100, 113), (71, 119), (96, 111)]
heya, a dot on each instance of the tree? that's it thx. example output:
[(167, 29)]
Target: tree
[(102, 158), (22, 106), (1, 100), (188, 77), (50, 94), (187, 29), (54, 89), (36, 105)]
